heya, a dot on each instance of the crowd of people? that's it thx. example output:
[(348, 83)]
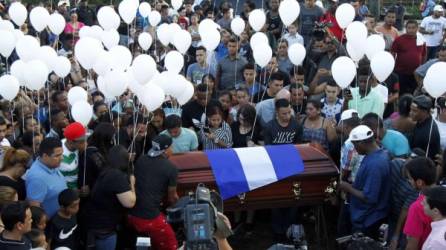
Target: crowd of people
[(66, 185)]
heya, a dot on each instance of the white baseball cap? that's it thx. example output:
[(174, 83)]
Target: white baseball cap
[(360, 133), (438, 8), (62, 2), (347, 114)]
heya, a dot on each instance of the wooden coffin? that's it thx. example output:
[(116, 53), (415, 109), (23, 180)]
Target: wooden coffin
[(310, 187)]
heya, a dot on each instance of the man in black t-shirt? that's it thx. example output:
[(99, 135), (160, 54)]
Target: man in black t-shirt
[(284, 129), (16, 218), (193, 111), (157, 176)]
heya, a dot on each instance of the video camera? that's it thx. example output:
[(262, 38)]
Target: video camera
[(319, 30), (196, 215), (296, 234)]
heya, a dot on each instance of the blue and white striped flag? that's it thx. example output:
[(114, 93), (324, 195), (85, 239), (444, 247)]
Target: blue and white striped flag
[(239, 170)]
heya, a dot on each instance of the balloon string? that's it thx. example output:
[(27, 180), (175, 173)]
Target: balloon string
[(430, 133), (12, 119), (49, 107)]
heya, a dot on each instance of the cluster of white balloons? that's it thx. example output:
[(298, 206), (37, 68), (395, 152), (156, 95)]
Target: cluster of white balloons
[(343, 69), (118, 70)]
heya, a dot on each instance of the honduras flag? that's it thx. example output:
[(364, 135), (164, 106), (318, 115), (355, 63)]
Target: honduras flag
[(239, 170)]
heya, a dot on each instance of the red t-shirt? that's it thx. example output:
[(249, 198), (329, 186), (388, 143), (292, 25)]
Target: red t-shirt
[(335, 29), (408, 55), (418, 224)]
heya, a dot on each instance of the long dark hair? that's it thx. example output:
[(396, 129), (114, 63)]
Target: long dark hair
[(102, 137)]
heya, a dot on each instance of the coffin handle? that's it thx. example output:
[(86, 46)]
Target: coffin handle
[(242, 198), (297, 190)]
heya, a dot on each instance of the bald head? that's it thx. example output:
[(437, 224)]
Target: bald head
[(283, 94)]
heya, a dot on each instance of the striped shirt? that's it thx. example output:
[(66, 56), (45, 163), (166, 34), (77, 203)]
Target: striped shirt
[(69, 167), (223, 134)]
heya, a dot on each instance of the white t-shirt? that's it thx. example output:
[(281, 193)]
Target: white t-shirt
[(437, 25), (382, 91)]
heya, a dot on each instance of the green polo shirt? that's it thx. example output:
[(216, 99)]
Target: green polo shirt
[(372, 103)]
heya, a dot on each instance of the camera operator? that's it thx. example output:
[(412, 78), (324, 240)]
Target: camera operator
[(156, 177)]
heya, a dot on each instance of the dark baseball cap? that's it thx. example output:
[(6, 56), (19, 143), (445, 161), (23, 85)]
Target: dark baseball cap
[(423, 102), (159, 144)]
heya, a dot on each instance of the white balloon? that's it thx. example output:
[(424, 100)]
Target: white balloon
[(116, 82), (6, 25), (345, 14), (143, 68), (434, 80), (356, 33), (108, 18), (237, 25), (355, 52), (47, 55), (257, 39), (374, 44), (343, 70), (257, 19), (289, 11), (211, 40), (188, 93), (163, 34), (135, 87), (174, 28), (182, 41), (96, 32), (56, 23), (26, 48), (144, 9), (85, 32), (103, 88), (110, 38), (18, 34), (36, 74), (174, 61), (39, 18), (87, 50), (152, 96), (262, 54), (382, 65), (9, 87), (76, 94), (103, 63), (62, 67), (145, 40), (121, 57), (154, 18), (7, 43), (205, 26), (176, 4), (297, 53), (178, 84), (18, 69), (18, 13), (127, 9), (82, 112)]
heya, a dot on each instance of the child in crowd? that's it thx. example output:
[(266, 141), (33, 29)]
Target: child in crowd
[(38, 239), (422, 174), (292, 36), (62, 228), (39, 218), (434, 205)]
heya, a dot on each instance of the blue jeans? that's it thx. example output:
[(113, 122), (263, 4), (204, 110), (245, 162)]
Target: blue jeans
[(108, 243)]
